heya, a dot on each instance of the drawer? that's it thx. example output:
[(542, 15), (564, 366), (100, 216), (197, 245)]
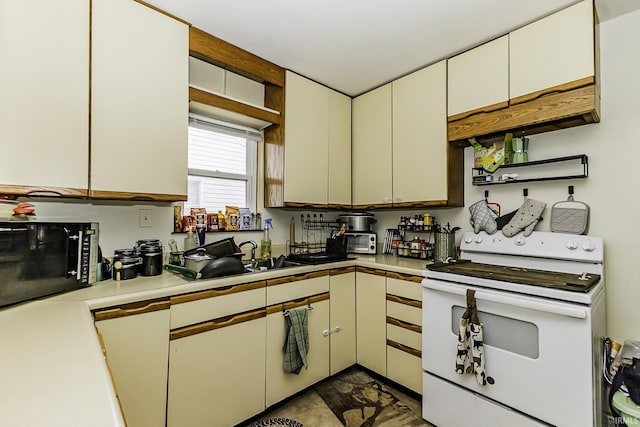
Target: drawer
[(297, 289), (404, 368), (403, 312), (411, 289), (404, 336), (201, 310)]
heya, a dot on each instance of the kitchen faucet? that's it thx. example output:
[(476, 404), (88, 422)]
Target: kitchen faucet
[(254, 246)]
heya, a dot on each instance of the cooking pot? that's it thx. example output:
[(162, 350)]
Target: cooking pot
[(198, 260), (358, 221)]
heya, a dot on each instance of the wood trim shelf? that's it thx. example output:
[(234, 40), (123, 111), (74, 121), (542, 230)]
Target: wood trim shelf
[(215, 100), (122, 195), (131, 309), (43, 191)]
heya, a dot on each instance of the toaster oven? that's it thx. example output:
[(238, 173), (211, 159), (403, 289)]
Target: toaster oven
[(361, 243)]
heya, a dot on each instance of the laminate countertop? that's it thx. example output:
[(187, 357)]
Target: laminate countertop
[(52, 367)]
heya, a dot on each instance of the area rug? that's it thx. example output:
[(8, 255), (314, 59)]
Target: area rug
[(277, 422), (358, 400)]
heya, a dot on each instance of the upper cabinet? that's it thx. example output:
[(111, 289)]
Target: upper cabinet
[(44, 106), (420, 146), (371, 148), (401, 157), (478, 79), (551, 79), (317, 160), (554, 51), (139, 102)]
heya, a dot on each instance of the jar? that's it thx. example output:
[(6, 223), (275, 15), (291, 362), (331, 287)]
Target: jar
[(125, 264), (150, 252)]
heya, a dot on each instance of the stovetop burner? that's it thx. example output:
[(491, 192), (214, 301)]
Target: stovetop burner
[(525, 276)]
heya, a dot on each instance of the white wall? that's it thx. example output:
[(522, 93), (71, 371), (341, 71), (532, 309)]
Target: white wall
[(611, 189)]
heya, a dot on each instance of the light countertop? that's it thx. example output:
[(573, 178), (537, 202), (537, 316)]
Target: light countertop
[(51, 364)]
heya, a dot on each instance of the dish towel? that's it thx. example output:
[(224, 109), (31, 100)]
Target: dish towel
[(296, 341), (470, 356)]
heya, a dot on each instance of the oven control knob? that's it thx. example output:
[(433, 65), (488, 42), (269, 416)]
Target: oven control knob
[(478, 239), (588, 246), (572, 244), (468, 238), (520, 241)]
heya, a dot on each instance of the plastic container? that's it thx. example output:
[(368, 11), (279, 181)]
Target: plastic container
[(628, 409), (265, 243), (190, 242)]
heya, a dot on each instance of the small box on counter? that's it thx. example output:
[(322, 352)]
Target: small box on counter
[(233, 218), (212, 222)]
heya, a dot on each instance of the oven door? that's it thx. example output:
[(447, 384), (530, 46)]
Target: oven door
[(538, 352)]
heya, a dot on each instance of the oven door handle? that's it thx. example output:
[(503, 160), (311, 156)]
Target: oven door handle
[(578, 313)]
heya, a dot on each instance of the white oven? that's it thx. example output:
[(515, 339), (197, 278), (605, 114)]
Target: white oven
[(542, 338)]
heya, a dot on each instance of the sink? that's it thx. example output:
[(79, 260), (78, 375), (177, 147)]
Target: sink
[(270, 264)]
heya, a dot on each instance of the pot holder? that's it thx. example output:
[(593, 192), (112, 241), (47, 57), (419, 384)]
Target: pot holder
[(470, 355), (483, 217), (525, 218), (570, 216)]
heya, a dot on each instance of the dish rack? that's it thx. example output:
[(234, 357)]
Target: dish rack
[(315, 231)]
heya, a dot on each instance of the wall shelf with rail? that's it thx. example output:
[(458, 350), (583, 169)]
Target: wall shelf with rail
[(568, 167)]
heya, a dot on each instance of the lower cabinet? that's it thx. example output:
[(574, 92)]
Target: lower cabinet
[(404, 330), (136, 340), (342, 318), (217, 372), (371, 320), (306, 291), (216, 358)]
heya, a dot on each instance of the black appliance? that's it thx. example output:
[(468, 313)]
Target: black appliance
[(44, 258)]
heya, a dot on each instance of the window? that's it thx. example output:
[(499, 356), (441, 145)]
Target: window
[(222, 165)]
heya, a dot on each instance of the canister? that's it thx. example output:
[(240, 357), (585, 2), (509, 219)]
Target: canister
[(444, 247)]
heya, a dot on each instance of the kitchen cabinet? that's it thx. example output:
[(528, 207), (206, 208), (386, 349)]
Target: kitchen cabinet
[(404, 330), (309, 291), (371, 319), (217, 365), (552, 51), (478, 79), (136, 339), (139, 102), (44, 107), (342, 319), (317, 144), (420, 146), (371, 148), (552, 79)]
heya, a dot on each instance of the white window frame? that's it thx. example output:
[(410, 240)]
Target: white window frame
[(253, 137)]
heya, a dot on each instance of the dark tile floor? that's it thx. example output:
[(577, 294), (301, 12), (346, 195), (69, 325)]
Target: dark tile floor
[(357, 400)]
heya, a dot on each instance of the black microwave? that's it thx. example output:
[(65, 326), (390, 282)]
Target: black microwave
[(45, 258)]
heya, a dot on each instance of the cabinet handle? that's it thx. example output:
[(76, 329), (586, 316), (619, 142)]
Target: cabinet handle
[(337, 329), (325, 333), (116, 312)]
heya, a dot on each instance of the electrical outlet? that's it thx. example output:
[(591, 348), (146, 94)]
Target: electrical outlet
[(145, 218)]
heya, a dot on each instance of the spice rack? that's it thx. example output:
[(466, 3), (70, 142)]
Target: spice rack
[(579, 165)]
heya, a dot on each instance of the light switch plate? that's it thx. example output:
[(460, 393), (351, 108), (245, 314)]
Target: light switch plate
[(145, 218)]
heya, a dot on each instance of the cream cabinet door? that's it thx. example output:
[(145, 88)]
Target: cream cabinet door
[(137, 348), (479, 78), (420, 135), (44, 94), (139, 104), (306, 135), (552, 51), (280, 384), (217, 377), (342, 320), (371, 322), (339, 172), (371, 147)]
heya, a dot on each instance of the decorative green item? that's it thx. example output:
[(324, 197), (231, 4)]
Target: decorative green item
[(520, 148)]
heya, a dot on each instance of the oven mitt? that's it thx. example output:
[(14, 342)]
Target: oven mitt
[(483, 217), (525, 218)]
